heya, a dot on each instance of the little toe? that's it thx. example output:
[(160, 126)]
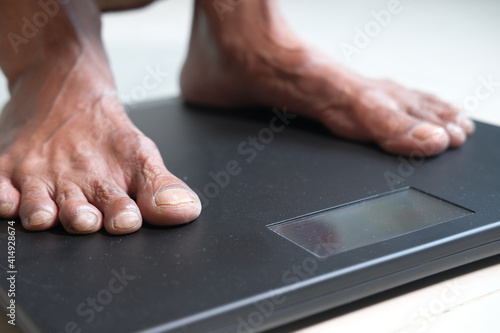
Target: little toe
[(466, 123)]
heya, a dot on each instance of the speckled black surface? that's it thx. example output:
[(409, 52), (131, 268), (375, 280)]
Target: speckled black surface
[(209, 273)]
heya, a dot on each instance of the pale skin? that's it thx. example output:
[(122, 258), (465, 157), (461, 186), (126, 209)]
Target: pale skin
[(70, 155)]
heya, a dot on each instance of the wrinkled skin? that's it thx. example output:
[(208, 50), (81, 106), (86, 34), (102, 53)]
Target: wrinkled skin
[(70, 155)]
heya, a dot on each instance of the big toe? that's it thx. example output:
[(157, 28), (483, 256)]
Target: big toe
[(163, 198), (174, 203), (423, 138)]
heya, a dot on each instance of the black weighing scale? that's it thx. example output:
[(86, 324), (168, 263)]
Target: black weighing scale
[(295, 221)]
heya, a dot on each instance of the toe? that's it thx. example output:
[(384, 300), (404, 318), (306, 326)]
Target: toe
[(396, 131), (163, 198), (457, 134), (465, 123), (121, 214), (37, 210), (435, 111), (9, 199), (449, 114), (76, 214), (423, 138)]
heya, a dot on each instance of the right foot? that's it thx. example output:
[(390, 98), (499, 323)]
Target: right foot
[(249, 57), (69, 154)]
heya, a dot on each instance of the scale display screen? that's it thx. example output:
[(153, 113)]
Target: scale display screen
[(368, 221)]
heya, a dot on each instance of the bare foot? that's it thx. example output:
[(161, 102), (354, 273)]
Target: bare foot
[(252, 58), (70, 154)]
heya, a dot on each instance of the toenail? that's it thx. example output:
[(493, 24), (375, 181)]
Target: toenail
[(424, 132), (5, 208), (466, 123), (86, 221), (39, 218), (173, 197), (455, 130), (126, 220)]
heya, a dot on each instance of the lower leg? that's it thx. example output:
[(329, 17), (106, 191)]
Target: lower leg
[(247, 55)]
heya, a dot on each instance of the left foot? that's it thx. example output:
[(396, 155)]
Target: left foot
[(68, 152), (252, 58)]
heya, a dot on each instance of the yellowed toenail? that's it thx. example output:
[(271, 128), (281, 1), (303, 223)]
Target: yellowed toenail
[(86, 221), (127, 220), (426, 131), (39, 218), (5, 208), (173, 197)]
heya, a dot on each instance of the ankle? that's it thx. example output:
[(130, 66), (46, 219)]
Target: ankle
[(240, 23), (69, 30)]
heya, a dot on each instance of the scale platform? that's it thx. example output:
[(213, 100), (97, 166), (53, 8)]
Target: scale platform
[(295, 221)]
